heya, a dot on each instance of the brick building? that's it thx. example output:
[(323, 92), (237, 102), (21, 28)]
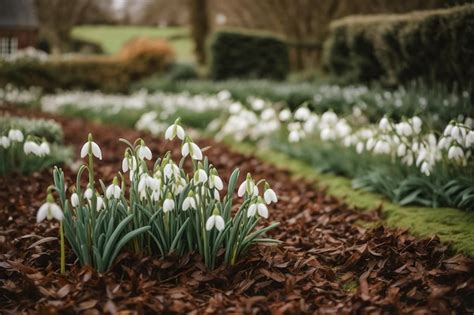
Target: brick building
[(18, 25)]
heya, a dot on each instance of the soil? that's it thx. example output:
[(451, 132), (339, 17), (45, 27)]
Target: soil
[(333, 259)]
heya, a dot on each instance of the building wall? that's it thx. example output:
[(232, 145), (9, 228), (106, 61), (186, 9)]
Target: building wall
[(25, 37)]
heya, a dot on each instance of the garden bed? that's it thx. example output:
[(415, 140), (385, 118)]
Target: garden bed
[(333, 258)]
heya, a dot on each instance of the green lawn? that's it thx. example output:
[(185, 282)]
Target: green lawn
[(111, 37)]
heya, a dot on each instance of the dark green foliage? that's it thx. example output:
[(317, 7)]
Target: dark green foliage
[(434, 45), (248, 55), (180, 72)]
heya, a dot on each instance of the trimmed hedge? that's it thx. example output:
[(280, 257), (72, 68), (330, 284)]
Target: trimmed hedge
[(237, 54), (111, 74), (436, 45)]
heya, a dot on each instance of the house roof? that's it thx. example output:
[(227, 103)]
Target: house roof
[(18, 13)]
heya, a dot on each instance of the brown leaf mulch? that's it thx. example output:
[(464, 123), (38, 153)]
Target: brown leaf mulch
[(329, 262)]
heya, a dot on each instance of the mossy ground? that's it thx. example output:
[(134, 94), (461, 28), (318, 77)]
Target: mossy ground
[(452, 226)]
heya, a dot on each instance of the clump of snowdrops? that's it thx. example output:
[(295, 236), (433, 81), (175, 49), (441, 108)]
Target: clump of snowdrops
[(22, 153), (162, 209)]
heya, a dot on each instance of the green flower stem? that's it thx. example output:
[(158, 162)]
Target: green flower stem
[(61, 240)]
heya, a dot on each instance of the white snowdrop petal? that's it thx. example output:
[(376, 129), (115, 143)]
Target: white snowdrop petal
[(42, 212), (169, 133), (180, 132), (242, 189), (96, 151), (252, 210), (262, 210), (185, 150), (56, 212), (210, 222), (85, 149), (219, 223)]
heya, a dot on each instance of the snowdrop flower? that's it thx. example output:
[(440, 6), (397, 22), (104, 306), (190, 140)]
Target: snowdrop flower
[(215, 181), (31, 147), (425, 168), (114, 190), (75, 200), (215, 220), (285, 115), (269, 195), (190, 148), (4, 142), (217, 196), (147, 181), (302, 113), (200, 176), (189, 202), (44, 149), (360, 147), (15, 135), (384, 124), (470, 139), (49, 210), (144, 152), (416, 121), (90, 147), (170, 170), (401, 150), (455, 153), (259, 207), (258, 104), (88, 193), (174, 130), (294, 136), (247, 186), (168, 204), (125, 164), (100, 203)]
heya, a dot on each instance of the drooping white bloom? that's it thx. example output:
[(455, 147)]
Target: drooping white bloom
[(384, 124), (246, 186), (90, 147), (168, 204), (4, 142), (100, 203), (215, 182), (147, 181), (470, 139), (113, 191), (270, 196), (417, 122), (192, 149), (125, 166), (171, 170), (294, 136), (189, 202), (216, 221), (44, 149), (31, 147), (88, 193), (217, 196), (302, 113), (425, 168), (15, 135), (455, 153), (144, 152), (200, 176), (173, 131), (401, 150), (75, 200), (49, 210), (258, 207), (285, 115)]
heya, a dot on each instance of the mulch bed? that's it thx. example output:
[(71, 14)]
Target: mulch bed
[(330, 261)]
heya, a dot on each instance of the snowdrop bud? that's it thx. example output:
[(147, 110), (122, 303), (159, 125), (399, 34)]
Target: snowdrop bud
[(90, 147), (15, 135), (125, 166), (4, 142), (74, 200), (174, 130), (100, 203), (49, 210)]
